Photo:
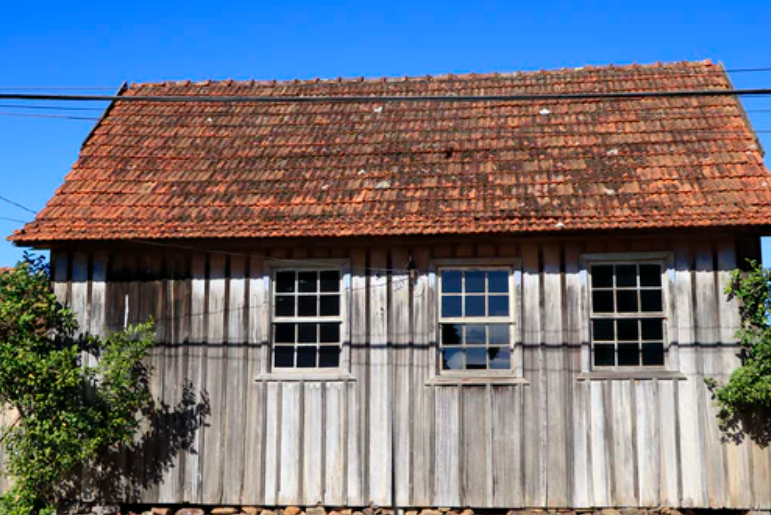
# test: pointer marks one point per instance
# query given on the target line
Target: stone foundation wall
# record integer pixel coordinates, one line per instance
(375, 510)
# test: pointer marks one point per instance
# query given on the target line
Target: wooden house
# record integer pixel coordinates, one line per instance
(499, 303)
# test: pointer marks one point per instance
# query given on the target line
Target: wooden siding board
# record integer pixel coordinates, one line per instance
(357, 390)
(535, 399)
(448, 456)
(255, 409)
(290, 466)
(313, 444)
(669, 445)
(624, 463)
(235, 381)
(399, 331)
(691, 436)
(421, 421)
(379, 399)
(475, 464)
(557, 378)
(334, 456)
(648, 460)
(600, 452)
(507, 430)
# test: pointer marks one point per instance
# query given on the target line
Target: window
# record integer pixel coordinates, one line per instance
(475, 321)
(307, 319)
(627, 315)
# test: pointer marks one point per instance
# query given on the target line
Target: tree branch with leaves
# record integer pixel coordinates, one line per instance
(69, 410)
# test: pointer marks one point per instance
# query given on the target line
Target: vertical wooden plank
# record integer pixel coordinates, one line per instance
(357, 392)
(707, 336)
(737, 459)
(290, 467)
(98, 302)
(447, 459)
(536, 429)
(255, 409)
(508, 444)
(273, 441)
(236, 426)
(79, 289)
(669, 463)
(648, 459)
(380, 412)
(599, 446)
(313, 443)
(474, 453)
(624, 462)
(422, 424)
(196, 359)
(399, 309)
(691, 442)
(334, 454)
(61, 260)
(215, 372)
(578, 397)
(556, 370)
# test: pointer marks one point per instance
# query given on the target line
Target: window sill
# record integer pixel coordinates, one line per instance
(599, 375)
(481, 380)
(305, 376)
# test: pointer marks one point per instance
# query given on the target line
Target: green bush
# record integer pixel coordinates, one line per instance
(69, 410)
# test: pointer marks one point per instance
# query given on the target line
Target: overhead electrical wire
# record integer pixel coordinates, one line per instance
(20, 206)
(341, 99)
(59, 116)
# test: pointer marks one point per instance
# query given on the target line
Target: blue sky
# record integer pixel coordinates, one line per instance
(89, 43)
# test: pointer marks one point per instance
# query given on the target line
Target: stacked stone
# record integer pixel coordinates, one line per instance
(376, 510)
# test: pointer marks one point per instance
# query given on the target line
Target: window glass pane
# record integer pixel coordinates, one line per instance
(306, 281)
(650, 301)
(650, 275)
(452, 334)
(626, 330)
(284, 305)
(452, 358)
(626, 301)
(329, 333)
(475, 282)
(329, 305)
(284, 356)
(451, 306)
(498, 333)
(498, 306)
(602, 276)
(499, 358)
(653, 353)
(329, 356)
(306, 333)
(628, 354)
(452, 281)
(602, 301)
(475, 334)
(604, 355)
(475, 306)
(284, 282)
(603, 330)
(284, 333)
(306, 306)
(476, 359)
(330, 280)
(306, 357)
(626, 275)
(498, 281)
(652, 328)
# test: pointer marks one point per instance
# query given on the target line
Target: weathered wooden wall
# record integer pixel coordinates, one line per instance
(556, 441)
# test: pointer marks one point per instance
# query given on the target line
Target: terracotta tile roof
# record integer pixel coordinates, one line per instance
(205, 170)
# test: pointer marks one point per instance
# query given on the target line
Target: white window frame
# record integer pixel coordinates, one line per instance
(437, 374)
(342, 371)
(666, 261)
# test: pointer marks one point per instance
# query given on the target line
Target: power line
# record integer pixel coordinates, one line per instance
(57, 116)
(12, 220)
(619, 95)
(25, 208)
(58, 88)
(50, 107)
